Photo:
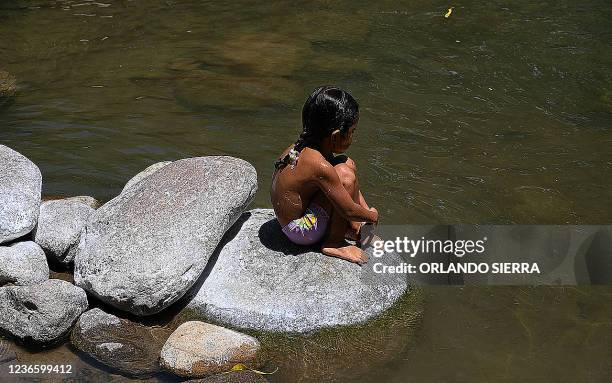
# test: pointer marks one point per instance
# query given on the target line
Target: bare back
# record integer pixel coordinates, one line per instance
(294, 188)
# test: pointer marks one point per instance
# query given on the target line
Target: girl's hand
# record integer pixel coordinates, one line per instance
(375, 213)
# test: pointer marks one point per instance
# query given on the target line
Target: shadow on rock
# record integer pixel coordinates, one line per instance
(271, 236)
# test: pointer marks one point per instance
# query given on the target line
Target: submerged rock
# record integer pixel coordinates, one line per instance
(127, 347)
(41, 313)
(198, 349)
(144, 249)
(232, 377)
(23, 263)
(8, 86)
(261, 54)
(59, 227)
(20, 188)
(144, 174)
(6, 352)
(261, 281)
(205, 89)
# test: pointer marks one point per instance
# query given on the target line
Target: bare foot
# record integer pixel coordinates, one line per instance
(345, 251)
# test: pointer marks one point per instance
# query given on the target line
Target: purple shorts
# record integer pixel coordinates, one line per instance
(309, 229)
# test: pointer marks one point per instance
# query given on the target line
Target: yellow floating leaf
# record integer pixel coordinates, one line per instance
(264, 373)
(242, 367)
(449, 12)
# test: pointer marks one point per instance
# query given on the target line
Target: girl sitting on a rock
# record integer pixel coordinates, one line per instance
(315, 193)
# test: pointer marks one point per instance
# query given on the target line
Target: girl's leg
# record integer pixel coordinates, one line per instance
(344, 170)
(335, 245)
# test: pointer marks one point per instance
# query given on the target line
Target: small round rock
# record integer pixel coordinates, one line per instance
(197, 349)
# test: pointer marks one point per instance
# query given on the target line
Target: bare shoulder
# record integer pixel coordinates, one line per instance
(316, 162)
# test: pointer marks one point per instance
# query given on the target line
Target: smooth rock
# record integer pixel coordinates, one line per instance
(197, 349)
(20, 188)
(23, 263)
(144, 249)
(125, 346)
(41, 313)
(232, 377)
(261, 281)
(59, 228)
(144, 174)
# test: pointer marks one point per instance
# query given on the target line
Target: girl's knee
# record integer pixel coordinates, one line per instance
(351, 164)
(347, 175)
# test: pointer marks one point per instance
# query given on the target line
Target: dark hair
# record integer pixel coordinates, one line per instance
(327, 109)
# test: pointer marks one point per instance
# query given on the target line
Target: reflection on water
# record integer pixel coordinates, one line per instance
(499, 114)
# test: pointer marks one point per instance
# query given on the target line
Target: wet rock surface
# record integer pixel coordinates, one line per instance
(197, 349)
(261, 281)
(23, 263)
(41, 313)
(6, 352)
(125, 346)
(59, 227)
(20, 192)
(232, 377)
(144, 249)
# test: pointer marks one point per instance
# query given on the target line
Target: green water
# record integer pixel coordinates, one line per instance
(501, 113)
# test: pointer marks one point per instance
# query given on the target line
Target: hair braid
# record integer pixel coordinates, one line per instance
(301, 143)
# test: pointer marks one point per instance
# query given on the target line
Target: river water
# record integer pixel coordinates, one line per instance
(500, 113)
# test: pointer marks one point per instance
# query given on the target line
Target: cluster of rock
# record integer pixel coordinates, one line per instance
(177, 231)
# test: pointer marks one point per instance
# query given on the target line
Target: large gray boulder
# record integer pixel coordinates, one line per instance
(59, 227)
(23, 263)
(145, 174)
(125, 346)
(20, 192)
(41, 313)
(198, 349)
(144, 249)
(261, 281)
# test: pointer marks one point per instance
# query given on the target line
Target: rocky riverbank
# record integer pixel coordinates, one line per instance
(177, 247)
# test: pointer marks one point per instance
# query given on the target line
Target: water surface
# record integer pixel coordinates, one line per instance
(501, 113)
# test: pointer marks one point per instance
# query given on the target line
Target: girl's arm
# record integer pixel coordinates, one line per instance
(329, 182)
